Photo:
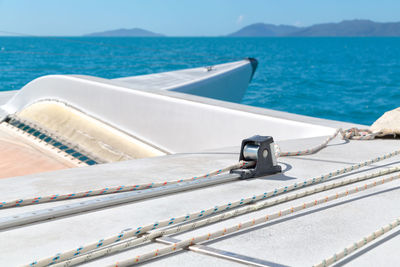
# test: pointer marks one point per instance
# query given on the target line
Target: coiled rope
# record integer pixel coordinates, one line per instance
(356, 245)
(206, 212)
(241, 226)
(128, 244)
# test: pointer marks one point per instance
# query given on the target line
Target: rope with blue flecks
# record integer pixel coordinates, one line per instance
(356, 245)
(115, 189)
(132, 242)
(248, 224)
(207, 212)
(351, 133)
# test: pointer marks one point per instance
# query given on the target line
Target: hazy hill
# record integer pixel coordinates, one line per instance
(135, 32)
(261, 29)
(344, 28)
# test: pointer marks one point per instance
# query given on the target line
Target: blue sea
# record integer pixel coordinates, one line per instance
(346, 79)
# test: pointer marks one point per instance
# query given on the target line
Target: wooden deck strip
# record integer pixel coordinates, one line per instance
(21, 157)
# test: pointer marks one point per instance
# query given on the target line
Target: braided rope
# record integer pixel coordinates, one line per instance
(235, 228)
(209, 211)
(313, 150)
(353, 133)
(128, 244)
(359, 134)
(114, 189)
(356, 245)
(140, 230)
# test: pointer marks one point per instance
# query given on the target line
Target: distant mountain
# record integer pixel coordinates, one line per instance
(345, 28)
(265, 30)
(135, 32)
(352, 28)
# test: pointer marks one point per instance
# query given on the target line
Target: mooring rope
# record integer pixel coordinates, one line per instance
(356, 245)
(206, 212)
(353, 133)
(279, 153)
(125, 188)
(115, 189)
(241, 226)
(128, 244)
(359, 134)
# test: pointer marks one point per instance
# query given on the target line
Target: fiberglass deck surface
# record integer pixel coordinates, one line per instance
(172, 79)
(301, 239)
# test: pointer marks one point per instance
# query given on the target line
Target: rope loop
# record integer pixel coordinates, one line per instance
(358, 134)
(352, 133)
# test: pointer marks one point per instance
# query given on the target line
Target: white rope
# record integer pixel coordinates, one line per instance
(235, 228)
(359, 134)
(113, 189)
(356, 245)
(128, 244)
(310, 151)
(189, 217)
(124, 188)
(203, 213)
(206, 212)
(353, 133)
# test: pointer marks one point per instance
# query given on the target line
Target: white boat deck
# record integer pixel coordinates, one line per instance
(301, 239)
(220, 81)
(173, 79)
(4, 97)
(201, 135)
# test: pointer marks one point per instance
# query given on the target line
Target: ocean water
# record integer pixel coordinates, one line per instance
(347, 79)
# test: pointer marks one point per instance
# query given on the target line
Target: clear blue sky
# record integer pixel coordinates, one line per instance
(181, 17)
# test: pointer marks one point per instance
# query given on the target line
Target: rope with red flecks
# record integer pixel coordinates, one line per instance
(356, 245)
(348, 134)
(241, 226)
(132, 242)
(115, 189)
(206, 212)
